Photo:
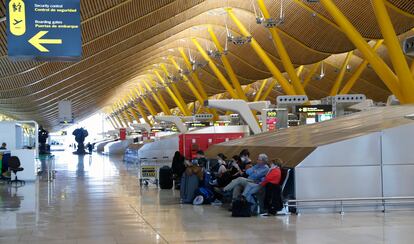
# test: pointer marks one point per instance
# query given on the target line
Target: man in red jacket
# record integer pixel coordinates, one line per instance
(273, 176)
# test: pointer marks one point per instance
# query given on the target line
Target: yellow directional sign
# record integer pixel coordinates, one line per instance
(37, 41)
(44, 30)
(17, 17)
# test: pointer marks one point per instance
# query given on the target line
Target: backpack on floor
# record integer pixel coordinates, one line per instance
(207, 194)
(241, 208)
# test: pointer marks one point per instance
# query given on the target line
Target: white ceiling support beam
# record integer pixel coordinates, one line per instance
(175, 120)
(141, 126)
(239, 106)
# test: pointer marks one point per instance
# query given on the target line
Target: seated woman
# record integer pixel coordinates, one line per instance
(245, 159)
(235, 167)
(219, 170)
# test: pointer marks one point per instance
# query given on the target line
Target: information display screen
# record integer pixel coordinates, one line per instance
(315, 113)
(198, 124)
(271, 120)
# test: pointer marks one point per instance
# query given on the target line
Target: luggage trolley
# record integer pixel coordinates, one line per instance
(148, 172)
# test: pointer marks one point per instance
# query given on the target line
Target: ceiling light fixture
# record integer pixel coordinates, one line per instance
(322, 74)
(271, 22)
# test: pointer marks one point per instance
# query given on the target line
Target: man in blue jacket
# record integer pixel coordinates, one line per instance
(255, 174)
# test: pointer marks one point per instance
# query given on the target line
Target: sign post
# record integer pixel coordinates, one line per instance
(44, 30)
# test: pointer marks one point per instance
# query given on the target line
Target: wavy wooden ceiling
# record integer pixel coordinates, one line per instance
(124, 39)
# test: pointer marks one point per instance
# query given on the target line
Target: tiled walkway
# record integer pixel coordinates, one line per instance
(96, 199)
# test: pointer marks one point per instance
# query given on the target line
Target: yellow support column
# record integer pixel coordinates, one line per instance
(157, 99)
(412, 68)
(115, 122)
(146, 102)
(134, 114)
(299, 70)
(311, 74)
(227, 65)
(112, 122)
(116, 119)
(224, 82)
(122, 115)
(125, 111)
(196, 80)
(149, 106)
(183, 108)
(281, 50)
(394, 50)
(140, 110)
(164, 103)
(263, 56)
(259, 93)
(246, 90)
(117, 115)
(161, 98)
(191, 106)
(143, 114)
(355, 76)
(127, 117)
(122, 119)
(339, 79)
(190, 85)
(268, 91)
(174, 87)
(380, 67)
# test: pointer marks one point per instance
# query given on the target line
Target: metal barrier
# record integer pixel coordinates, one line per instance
(347, 202)
(148, 169)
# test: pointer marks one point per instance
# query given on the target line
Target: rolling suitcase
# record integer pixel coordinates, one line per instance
(165, 178)
(189, 185)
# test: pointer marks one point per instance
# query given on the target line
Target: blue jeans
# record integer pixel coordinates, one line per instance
(251, 189)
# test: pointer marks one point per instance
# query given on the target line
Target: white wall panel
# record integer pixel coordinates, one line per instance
(364, 150)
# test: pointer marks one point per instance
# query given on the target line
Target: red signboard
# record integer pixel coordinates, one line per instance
(190, 143)
(122, 134)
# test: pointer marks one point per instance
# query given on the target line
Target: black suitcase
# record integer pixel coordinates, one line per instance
(165, 178)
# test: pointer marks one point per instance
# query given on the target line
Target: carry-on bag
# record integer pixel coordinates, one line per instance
(189, 185)
(165, 178)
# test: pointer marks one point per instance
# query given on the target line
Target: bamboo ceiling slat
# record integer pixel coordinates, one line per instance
(123, 39)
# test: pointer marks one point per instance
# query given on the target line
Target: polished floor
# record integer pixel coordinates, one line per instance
(96, 199)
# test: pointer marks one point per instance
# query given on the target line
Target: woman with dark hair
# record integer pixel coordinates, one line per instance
(245, 158)
(236, 167)
(178, 167)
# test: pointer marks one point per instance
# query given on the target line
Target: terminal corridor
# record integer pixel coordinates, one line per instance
(97, 199)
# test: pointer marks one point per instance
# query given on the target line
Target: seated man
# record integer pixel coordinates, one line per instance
(3, 146)
(255, 174)
(273, 177)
